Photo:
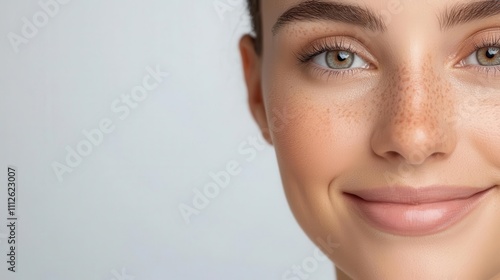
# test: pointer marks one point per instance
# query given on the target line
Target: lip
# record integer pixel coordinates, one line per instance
(403, 210)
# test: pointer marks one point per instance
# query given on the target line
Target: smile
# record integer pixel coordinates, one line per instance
(416, 211)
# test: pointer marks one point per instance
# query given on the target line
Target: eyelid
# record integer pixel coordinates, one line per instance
(470, 45)
(351, 43)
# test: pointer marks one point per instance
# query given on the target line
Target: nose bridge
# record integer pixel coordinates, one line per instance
(417, 112)
(415, 97)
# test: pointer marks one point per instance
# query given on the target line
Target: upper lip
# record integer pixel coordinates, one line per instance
(412, 195)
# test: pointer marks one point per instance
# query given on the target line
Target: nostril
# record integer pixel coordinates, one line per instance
(393, 154)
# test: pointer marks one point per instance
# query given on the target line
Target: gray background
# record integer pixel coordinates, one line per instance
(116, 215)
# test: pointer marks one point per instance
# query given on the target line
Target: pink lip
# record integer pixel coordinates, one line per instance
(415, 211)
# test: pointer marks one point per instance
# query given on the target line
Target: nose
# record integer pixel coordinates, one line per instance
(415, 121)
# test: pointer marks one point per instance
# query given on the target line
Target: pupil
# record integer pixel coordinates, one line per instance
(491, 52)
(342, 56)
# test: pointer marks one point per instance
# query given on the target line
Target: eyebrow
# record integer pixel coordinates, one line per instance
(312, 10)
(463, 13)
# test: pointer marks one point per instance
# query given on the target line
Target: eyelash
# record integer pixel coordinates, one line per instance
(492, 41)
(325, 45)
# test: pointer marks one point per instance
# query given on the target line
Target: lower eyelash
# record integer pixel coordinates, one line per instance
(333, 73)
(490, 71)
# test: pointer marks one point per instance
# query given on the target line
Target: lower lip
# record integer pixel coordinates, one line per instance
(422, 219)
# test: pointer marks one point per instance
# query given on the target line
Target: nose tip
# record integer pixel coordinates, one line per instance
(413, 144)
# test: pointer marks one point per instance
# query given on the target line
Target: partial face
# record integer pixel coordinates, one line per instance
(385, 117)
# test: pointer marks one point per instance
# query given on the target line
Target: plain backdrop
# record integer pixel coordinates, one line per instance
(114, 214)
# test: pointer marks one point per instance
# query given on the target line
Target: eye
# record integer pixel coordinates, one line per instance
(486, 56)
(339, 59)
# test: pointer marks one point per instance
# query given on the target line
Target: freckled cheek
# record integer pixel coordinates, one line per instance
(308, 145)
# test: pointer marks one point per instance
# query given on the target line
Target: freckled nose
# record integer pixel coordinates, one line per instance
(415, 118)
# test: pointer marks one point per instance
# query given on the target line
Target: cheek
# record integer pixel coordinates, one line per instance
(483, 120)
(316, 137)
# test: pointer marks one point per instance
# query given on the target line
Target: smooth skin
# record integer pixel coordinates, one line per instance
(416, 109)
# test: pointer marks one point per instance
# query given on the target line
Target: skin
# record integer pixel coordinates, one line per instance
(415, 118)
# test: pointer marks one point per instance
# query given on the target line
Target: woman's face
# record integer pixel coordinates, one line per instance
(385, 117)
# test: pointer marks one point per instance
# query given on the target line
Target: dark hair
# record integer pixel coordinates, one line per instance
(254, 9)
